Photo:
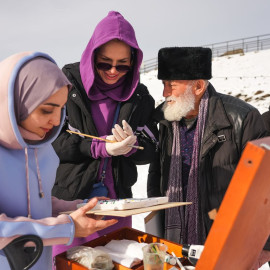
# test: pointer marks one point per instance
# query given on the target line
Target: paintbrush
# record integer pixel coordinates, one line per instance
(178, 262)
(102, 139)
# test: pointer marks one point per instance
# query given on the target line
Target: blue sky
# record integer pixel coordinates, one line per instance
(62, 28)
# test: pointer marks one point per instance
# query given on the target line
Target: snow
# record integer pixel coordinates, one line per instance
(246, 76)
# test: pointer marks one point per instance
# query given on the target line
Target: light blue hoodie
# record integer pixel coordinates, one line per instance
(16, 158)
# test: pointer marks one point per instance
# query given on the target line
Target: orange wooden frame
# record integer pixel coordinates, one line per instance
(242, 224)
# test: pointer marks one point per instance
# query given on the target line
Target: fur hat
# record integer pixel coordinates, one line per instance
(184, 63)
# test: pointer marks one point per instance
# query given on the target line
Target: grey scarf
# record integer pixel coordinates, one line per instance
(185, 224)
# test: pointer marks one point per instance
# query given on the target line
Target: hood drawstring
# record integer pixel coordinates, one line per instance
(41, 193)
(27, 182)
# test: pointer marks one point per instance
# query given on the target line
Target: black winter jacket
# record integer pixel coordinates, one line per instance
(266, 119)
(78, 169)
(230, 124)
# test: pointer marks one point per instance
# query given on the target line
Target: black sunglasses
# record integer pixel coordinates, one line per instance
(106, 67)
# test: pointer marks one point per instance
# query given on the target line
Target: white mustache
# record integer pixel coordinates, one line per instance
(170, 98)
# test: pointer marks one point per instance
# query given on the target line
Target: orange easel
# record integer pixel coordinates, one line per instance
(242, 224)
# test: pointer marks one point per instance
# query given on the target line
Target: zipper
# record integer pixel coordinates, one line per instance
(115, 174)
(134, 107)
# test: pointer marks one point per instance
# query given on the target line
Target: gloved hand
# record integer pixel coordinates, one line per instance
(119, 148)
(122, 133)
(124, 137)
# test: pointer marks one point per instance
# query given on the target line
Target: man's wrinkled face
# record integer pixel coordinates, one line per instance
(179, 99)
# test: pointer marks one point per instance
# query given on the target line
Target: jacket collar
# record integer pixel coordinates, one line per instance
(217, 118)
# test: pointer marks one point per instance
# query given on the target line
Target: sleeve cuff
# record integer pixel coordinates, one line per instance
(72, 231)
(98, 149)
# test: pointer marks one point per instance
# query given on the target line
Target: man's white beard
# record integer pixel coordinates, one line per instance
(181, 107)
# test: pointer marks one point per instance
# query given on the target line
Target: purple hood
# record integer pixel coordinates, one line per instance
(113, 26)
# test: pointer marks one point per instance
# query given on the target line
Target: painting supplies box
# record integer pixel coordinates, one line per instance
(62, 263)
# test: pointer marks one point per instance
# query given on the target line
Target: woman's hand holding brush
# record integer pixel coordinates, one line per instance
(124, 138)
(120, 143)
(119, 148)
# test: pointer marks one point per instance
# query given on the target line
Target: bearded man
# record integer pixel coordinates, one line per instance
(202, 134)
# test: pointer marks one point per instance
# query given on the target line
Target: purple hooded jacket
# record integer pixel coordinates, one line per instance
(104, 102)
